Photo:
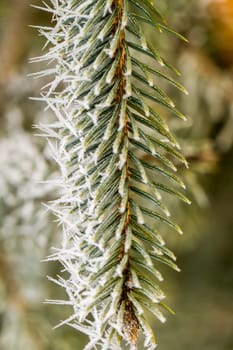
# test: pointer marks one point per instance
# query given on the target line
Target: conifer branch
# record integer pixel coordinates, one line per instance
(100, 93)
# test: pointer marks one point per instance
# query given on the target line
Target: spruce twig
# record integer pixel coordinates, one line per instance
(105, 127)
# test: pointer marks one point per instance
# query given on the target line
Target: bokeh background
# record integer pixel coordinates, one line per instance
(202, 294)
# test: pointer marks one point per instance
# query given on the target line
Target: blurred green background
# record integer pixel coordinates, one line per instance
(202, 294)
